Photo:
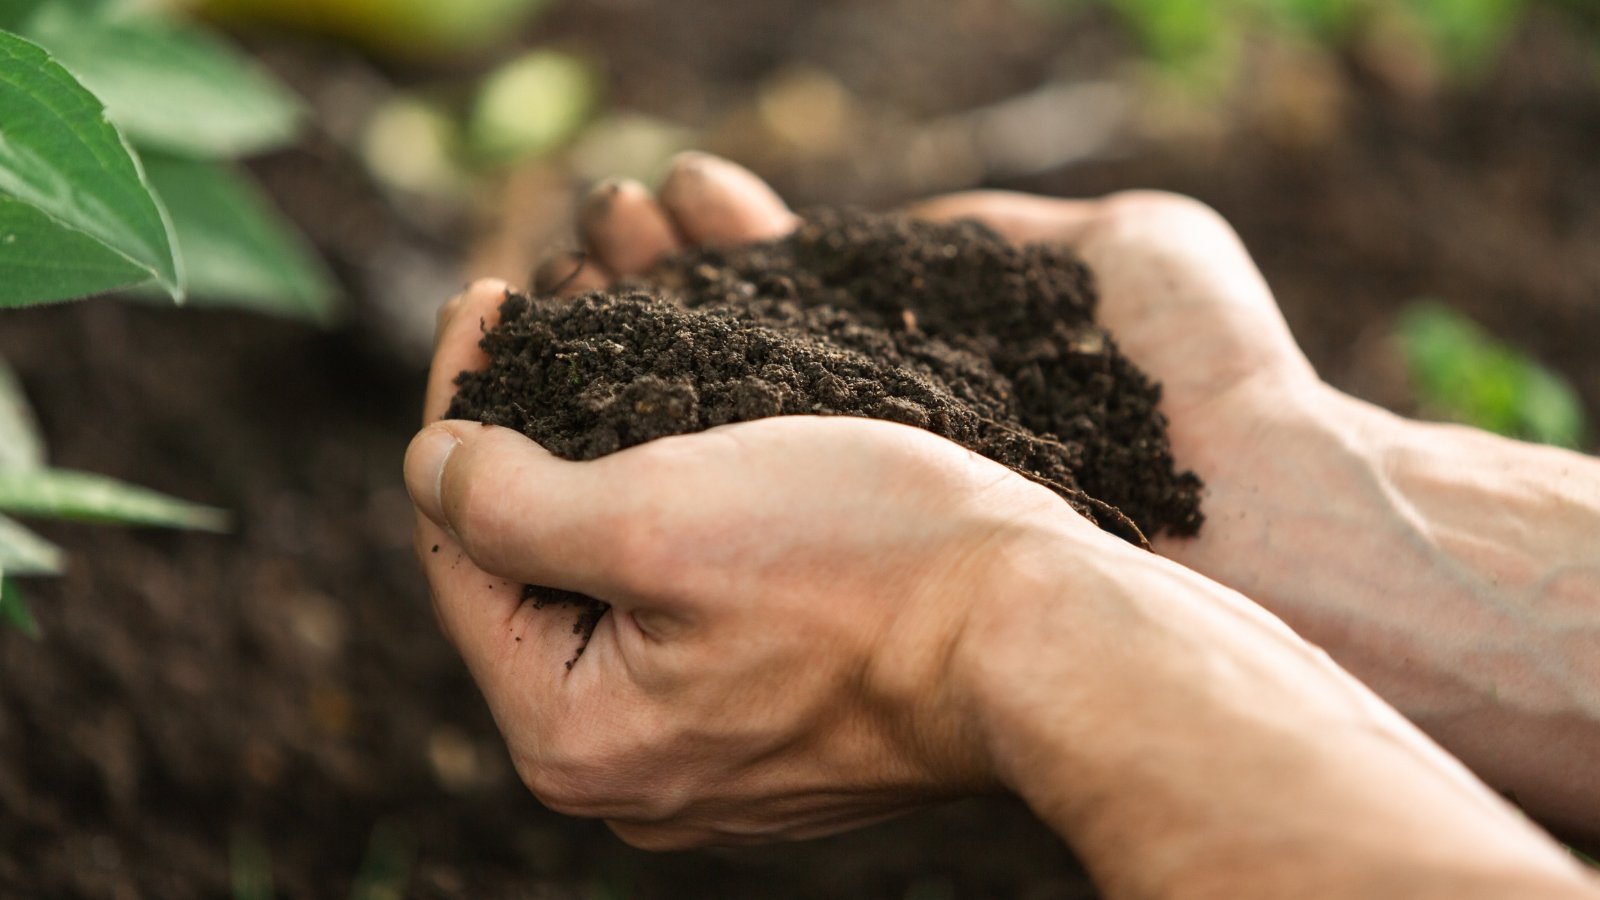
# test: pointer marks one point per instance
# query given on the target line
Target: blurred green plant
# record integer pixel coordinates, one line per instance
(386, 865)
(30, 487)
(531, 105)
(441, 141)
(1200, 44)
(384, 873)
(409, 29)
(13, 611)
(249, 866)
(1463, 374)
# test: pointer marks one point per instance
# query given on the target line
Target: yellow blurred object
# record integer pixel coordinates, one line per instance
(414, 146)
(408, 28)
(532, 105)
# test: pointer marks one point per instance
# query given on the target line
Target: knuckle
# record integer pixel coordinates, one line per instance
(488, 288)
(472, 502)
(559, 790)
(656, 838)
(448, 311)
(1143, 205)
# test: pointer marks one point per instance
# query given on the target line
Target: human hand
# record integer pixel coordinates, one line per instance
(1183, 299)
(1450, 570)
(788, 595)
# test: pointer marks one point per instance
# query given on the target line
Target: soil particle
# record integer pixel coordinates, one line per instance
(945, 327)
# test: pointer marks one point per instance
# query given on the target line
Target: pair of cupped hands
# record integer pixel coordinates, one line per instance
(801, 606)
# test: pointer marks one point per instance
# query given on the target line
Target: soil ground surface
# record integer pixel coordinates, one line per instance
(287, 686)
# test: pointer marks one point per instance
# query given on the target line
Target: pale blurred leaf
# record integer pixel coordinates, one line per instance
(241, 251)
(83, 496)
(169, 85)
(20, 443)
(24, 553)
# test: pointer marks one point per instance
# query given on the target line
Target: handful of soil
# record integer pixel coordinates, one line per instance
(946, 327)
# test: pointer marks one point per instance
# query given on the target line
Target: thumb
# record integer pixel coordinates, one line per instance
(518, 511)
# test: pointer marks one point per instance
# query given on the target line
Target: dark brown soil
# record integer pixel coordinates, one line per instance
(942, 327)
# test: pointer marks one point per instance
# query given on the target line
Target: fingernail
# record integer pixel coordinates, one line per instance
(449, 309)
(686, 166)
(425, 462)
(557, 270)
(600, 200)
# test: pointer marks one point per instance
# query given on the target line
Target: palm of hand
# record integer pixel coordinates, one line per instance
(1183, 299)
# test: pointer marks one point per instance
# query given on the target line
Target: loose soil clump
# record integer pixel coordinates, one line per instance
(946, 327)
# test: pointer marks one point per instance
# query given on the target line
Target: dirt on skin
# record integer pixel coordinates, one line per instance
(946, 327)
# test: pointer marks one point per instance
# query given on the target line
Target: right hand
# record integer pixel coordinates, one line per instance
(1183, 299)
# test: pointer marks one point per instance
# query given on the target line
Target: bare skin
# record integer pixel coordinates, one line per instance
(821, 622)
(1454, 572)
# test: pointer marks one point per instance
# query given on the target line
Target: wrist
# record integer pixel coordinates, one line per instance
(1175, 735)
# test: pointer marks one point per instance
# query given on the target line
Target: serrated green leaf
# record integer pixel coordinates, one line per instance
(241, 250)
(20, 443)
(24, 553)
(171, 86)
(60, 155)
(44, 261)
(86, 497)
(14, 610)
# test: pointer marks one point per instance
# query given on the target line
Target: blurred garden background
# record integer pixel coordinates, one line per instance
(270, 711)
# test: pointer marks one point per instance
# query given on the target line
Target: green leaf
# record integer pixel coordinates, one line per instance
(14, 611)
(171, 86)
(82, 496)
(241, 250)
(59, 155)
(20, 443)
(24, 553)
(1463, 374)
(44, 261)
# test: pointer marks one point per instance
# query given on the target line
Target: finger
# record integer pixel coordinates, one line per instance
(1019, 218)
(462, 322)
(567, 274)
(626, 228)
(716, 202)
(516, 510)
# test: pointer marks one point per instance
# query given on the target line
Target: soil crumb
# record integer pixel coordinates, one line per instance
(946, 327)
